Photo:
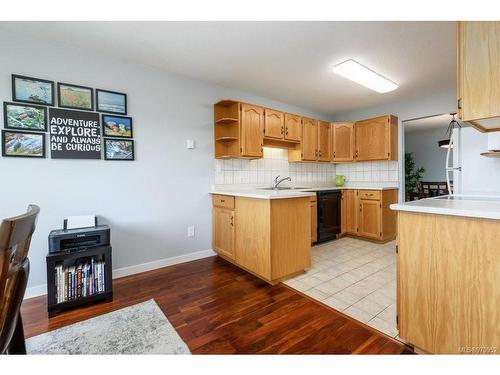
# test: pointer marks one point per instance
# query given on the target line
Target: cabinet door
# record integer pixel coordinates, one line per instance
(293, 127)
(478, 70)
(342, 141)
(309, 139)
(369, 218)
(324, 141)
(372, 139)
(223, 231)
(274, 124)
(252, 130)
(349, 212)
(314, 221)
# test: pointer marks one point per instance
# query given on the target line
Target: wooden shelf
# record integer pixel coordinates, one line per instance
(226, 139)
(491, 154)
(226, 120)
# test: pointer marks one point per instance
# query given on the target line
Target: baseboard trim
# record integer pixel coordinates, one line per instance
(40, 290)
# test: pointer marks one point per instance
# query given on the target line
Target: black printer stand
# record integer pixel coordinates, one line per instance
(62, 299)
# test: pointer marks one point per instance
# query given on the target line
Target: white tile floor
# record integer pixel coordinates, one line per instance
(356, 277)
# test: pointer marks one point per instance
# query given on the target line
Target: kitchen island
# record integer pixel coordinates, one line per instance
(448, 270)
(264, 232)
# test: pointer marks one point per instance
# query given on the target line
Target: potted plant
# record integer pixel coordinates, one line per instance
(412, 175)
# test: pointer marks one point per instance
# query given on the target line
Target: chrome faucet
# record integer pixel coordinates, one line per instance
(278, 181)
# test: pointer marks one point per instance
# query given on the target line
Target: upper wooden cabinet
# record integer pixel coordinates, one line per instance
(478, 74)
(342, 141)
(274, 124)
(293, 127)
(324, 141)
(377, 138)
(315, 144)
(252, 130)
(309, 139)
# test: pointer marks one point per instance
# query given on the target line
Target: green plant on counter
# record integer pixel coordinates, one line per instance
(412, 174)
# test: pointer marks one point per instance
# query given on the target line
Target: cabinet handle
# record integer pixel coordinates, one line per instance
(286, 130)
(222, 200)
(232, 221)
(459, 103)
(282, 130)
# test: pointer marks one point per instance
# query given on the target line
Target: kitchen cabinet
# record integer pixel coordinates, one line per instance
(370, 214)
(274, 124)
(342, 141)
(309, 139)
(293, 127)
(324, 141)
(349, 219)
(448, 283)
(271, 237)
(478, 74)
(252, 130)
(377, 138)
(223, 225)
(315, 144)
(366, 214)
(314, 219)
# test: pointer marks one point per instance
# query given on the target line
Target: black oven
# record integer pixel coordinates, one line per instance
(329, 206)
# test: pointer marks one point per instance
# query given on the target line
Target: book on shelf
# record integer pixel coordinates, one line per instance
(83, 279)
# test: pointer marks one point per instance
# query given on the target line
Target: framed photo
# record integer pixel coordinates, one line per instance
(32, 90)
(116, 126)
(111, 102)
(23, 144)
(24, 116)
(75, 97)
(118, 149)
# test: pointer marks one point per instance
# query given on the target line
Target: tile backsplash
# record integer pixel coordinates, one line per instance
(370, 171)
(275, 162)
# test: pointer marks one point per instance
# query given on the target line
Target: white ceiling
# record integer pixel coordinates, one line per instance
(432, 122)
(287, 61)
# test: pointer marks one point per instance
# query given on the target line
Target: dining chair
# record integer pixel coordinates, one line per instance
(15, 239)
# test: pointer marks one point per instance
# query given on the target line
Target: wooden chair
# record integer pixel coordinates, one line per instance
(15, 239)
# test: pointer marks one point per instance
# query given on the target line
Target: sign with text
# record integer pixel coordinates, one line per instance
(74, 134)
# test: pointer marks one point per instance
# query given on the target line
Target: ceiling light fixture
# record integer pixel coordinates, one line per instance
(358, 73)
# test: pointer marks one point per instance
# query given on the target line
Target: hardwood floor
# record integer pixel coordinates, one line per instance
(217, 308)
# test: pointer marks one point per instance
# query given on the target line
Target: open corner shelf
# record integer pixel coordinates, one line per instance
(491, 154)
(226, 139)
(226, 120)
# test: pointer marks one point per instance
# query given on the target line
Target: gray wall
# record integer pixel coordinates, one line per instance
(438, 103)
(426, 153)
(148, 202)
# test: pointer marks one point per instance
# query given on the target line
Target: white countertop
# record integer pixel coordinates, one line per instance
(260, 193)
(485, 207)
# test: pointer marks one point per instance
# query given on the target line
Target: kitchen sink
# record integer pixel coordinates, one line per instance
(284, 188)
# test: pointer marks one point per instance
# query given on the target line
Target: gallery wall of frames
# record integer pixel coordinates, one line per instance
(85, 123)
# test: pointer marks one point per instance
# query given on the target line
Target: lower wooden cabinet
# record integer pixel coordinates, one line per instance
(366, 214)
(314, 219)
(270, 238)
(223, 226)
(349, 217)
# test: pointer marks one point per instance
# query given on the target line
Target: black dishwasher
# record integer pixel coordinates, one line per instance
(329, 205)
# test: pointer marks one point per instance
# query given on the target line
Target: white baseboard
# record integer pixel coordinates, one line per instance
(138, 268)
(40, 290)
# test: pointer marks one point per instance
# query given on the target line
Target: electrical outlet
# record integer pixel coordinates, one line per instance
(190, 144)
(190, 231)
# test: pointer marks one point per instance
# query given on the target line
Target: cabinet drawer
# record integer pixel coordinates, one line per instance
(226, 201)
(370, 194)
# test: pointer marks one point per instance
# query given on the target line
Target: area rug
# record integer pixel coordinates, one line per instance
(137, 329)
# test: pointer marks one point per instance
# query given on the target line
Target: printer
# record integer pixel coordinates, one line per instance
(68, 240)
